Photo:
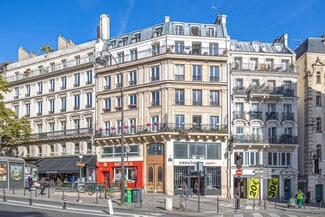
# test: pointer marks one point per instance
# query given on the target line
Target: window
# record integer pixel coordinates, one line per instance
(89, 123)
(179, 121)
(27, 87)
(132, 124)
(64, 64)
(214, 73)
(76, 123)
(107, 105)
(107, 82)
(179, 96)
(64, 149)
(269, 64)
(318, 99)
(179, 30)
(179, 47)
(52, 85)
(136, 37)
(272, 134)
(77, 148)
(318, 78)
(76, 80)
(16, 108)
(155, 123)
(89, 77)
(89, 100)
(287, 85)
(40, 88)
(155, 48)
(198, 150)
(133, 101)
(285, 65)
(214, 122)
(39, 108)
(249, 157)
(155, 98)
(196, 48)
(76, 102)
(51, 106)
(197, 97)
(120, 57)
(213, 49)
(210, 32)
(195, 31)
(51, 127)
(179, 72)
(77, 59)
(90, 57)
(132, 78)
(279, 158)
(134, 54)
(214, 98)
(16, 93)
(63, 104)
(63, 83)
(155, 73)
(118, 103)
(271, 84)
(27, 110)
(253, 64)
(238, 63)
(89, 147)
(197, 73)
(255, 82)
(239, 82)
(318, 125)
(52, 65)
(63, 125)
(119, 80)
(39, 128)
(239, 133)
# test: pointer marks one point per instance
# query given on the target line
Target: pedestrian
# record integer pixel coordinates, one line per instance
(195, 188)
(300, 198)
(184, 189)
(43, 185)
(30, 183)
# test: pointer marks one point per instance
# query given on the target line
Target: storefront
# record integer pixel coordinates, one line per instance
(109, 173)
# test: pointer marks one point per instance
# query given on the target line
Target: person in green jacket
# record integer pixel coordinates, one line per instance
(300, 198)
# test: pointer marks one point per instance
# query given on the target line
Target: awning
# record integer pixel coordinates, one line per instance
(64, 164)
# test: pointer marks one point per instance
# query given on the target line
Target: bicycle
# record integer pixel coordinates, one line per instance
(106, 193)
(90, 188)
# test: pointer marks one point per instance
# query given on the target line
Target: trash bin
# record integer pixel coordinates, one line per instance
(137, 193)
(128, 195)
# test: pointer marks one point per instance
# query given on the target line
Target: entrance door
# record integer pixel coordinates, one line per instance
(319, 193)
(155, 168)
(287, 189)
(243, 186)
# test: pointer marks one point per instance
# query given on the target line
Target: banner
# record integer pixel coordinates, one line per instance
(273, 188)
(254, 188)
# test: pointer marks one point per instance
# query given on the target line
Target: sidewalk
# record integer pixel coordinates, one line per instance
(152, 202)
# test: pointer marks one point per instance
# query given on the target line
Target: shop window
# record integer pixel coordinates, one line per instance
(150, 174)
(160, 174)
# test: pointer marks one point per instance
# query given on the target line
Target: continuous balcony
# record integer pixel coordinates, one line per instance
(253, 115)
(256, 91)
(263, 67)
(288, 116)
(283, 139)
(62, 134)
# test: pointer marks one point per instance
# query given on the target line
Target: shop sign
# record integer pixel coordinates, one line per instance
(127, 163)
(80, 164)
(273, 188)
(254, 188)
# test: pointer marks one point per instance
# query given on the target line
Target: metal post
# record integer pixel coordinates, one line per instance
(63, 194)
(275, 203)
(78, 200)
(13, 189)
(199, 187)
(48, 192)
(96, 197)
(24, 191)
(30, 198)
(264, 204)
(320, 204)
(217, 204)
(254, 204)
(141, 200)
(64, 203)
(35, 192)
(235, 199)
(238, 193)
(4, 195)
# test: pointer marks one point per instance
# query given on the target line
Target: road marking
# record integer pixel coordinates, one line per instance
(256, 214)
(292, 216)
(274, 215)
(238, 215)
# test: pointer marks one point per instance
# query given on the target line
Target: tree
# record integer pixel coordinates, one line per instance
(12, 131)
(46, 49)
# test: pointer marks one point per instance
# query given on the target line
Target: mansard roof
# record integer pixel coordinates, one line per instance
(259, 47)
(313, 45)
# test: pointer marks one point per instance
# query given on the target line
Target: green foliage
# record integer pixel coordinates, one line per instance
(15, 130)
(46, 49)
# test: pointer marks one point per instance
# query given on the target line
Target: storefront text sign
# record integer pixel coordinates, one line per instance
(128, 163)
(273, 188)
(254, 188)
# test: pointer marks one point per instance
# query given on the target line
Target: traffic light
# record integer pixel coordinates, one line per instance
(239, 162)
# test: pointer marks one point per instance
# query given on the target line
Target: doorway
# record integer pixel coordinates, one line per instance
(287, 189)
(242, 186)
(319, 193)
(155, 167)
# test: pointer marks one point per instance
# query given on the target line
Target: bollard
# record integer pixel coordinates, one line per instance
(64, 203)
(13, 189)
(235, 200)
(4, 195)
(48, 192)
(217, 204)
(141, 201)
(264, 204)
(96, 197)
(275, 204)
(24, 191)
(30, 198)
(35, 192)
(320, 204)
(63, 194)
(253, 204)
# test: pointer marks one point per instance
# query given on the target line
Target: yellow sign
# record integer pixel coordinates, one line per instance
(80, 164)
(254, 188)
(273, 188)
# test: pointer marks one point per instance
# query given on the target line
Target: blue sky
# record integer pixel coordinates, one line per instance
(33, 23)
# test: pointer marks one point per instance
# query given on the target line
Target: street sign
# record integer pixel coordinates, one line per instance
(239, 172)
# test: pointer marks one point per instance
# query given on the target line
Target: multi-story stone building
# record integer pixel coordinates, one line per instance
(55, 92)
(311, 93)
(174, 105)
(263, 97)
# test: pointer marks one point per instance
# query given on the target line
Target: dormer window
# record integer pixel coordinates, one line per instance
(123, 41)
(278, 47)
(179, 30)
(256, 47)
(157, 32)
(210, 32)
(136, 37)
(195, 31)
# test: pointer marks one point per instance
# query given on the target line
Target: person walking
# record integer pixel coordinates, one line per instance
(300, 198)
(184, 188)
(30, 183)
(43, 185)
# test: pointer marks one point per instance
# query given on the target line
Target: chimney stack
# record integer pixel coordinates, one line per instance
(285, 39)
(103, 28)
(167, 19)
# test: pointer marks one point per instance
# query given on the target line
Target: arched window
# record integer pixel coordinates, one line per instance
(150, 174)
(160, 174)
(318, 125)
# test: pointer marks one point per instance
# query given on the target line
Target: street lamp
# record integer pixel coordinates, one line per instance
(101, 61)
(80, 167)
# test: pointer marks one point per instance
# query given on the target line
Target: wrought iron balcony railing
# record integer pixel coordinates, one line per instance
(62, 133)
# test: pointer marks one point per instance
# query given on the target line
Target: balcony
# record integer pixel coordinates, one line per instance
(288, 116)
(162, 127)
(51, 112)
(51, 90)
(132, 83)
(88, 106)
(63, 110)
(179, 102)
(105, 110)
(76, 108)
(179, 77)
(89, 82)
(27, 95)
(197, 103)
(132, 106)
(271, 116)
(283, 139)
(39, 113)
(263, 67)
(39, 92)
(76, 85)
(248, 139)
(253, 115)
(107, 87)
(62, 133)
(16, 97)
(238, 115)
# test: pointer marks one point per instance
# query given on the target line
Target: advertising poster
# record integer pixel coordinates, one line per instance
(16, 172)
(3, 172)
(273, 188)
(254, 188)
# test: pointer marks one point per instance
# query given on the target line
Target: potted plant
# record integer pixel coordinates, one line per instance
(148, 124)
